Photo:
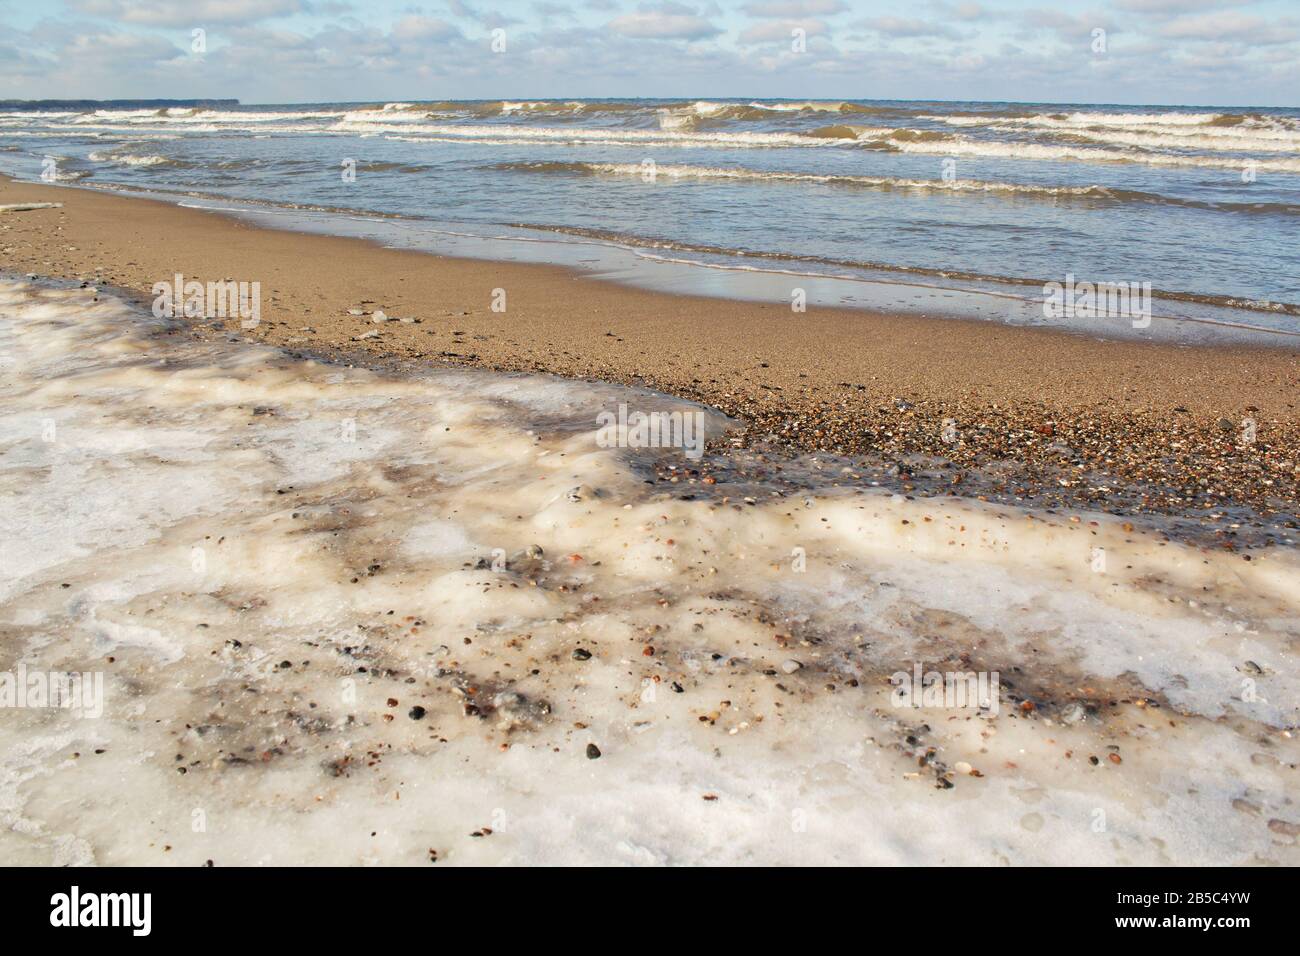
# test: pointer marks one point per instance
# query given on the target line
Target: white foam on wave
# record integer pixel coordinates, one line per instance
(508, 133)
(739, 173)
(1219, 142)
(1164, 129)
(128, 159)
(271, 549)
(189, 117)
(1082, 119)
(1042, 152)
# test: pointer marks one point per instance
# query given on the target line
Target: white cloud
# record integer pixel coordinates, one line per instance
(933, 48)
(794, 8)
(969, 11)
(420, 28)
(1225, 25)
(1168, 7)
(186, 13)
(1071, 29)
(905, 27)
(781, 31)
(112, 48)
(670, 21)
(488, 18)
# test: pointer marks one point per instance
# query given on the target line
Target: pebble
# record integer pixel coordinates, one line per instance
(790, 666)
(593, 751)
(1073, 714)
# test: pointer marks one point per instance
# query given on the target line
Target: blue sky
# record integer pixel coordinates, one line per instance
(1201, 52)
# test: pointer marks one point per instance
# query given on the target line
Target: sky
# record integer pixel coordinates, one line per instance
(1188, 52)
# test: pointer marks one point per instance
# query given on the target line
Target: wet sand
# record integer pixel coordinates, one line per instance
(1030, 412)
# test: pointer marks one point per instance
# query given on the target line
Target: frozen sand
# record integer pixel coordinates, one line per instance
(269, 550)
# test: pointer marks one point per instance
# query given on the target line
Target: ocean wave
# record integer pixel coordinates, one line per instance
(832, 106)
(189, 117)
(837, 131)
(505, 133)
(1081, 119)
(1090, 193)
(683, 171)
(1187, 138)
(1040, 152)
(1237, 126)
(394, 117)
(130, 159)
(635, 242)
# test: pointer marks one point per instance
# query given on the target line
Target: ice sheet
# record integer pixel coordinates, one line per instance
(272, 561)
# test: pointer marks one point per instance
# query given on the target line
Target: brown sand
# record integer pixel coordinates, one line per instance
(836, 380)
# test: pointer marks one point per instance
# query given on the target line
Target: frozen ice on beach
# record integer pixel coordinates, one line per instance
(346, 616)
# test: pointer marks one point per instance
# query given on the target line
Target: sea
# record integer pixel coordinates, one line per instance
(965, 209)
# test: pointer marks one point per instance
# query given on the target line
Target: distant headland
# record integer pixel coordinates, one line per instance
(110, 104)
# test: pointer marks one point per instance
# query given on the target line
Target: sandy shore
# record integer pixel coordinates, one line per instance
(329, 615)
(1033, 412)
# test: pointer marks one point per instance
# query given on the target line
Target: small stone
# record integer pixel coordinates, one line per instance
(593, 752)
(1072, 714)
(1284, 827)
(790, 666)
(962, 766)
(581, 654)
(534, 551)
(416, 713)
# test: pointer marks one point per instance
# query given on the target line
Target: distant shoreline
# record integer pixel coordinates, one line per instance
(111, 104)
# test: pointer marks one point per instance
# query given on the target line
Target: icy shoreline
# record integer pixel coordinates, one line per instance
(353, 617)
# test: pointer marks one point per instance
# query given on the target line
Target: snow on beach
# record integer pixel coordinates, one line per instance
(346, 616)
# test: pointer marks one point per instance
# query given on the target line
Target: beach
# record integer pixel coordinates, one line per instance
(1066, 417)
(317, 613)
(360, 591)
